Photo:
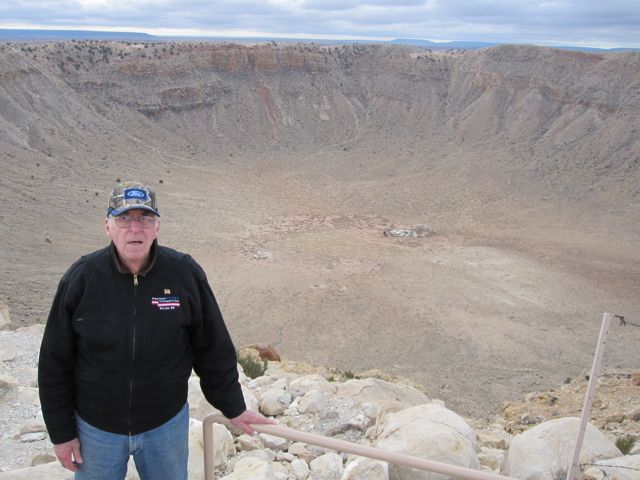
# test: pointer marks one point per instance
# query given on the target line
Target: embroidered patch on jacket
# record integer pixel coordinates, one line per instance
(166, 303)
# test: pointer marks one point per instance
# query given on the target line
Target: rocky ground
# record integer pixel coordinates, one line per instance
(616, 409)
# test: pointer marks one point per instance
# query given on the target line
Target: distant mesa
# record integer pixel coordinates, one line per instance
(29, 35)
(26, 35)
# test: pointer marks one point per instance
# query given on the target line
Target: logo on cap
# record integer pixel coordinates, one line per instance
(135, 193)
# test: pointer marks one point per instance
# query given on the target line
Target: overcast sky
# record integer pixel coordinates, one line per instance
(602, 23)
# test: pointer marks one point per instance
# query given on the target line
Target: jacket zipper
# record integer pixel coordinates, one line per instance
(133, 348)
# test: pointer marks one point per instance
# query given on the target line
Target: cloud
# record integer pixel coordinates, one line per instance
(340, 5)
(608, 23)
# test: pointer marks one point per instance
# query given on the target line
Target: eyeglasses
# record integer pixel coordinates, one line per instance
(125, 221)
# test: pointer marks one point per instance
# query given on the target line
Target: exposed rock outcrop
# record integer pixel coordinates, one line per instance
(394, 416)
(545, 451)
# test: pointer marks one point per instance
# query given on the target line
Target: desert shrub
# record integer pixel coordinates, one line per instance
(626, 443)
(252, 368)
(341, 375)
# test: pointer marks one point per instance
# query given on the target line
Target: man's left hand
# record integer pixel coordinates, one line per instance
(247, 417)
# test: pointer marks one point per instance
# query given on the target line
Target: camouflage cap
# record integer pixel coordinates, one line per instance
(129, 195)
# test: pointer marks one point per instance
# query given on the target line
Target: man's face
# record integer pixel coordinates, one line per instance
(133, 242)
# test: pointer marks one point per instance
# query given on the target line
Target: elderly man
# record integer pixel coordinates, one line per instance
(127, 325)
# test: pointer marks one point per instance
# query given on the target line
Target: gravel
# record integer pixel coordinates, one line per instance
(23, 436)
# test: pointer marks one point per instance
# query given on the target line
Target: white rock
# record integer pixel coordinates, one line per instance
(281, 472)
(252, 468)
(33, 426)
(300, 469)
(265, 381)
(200, 408)
(42, 458)
(493, 439)
(329, 465)
(593, 473)
(32, 437)
(242, 377)
(292, 410)
(34, 331)
(427, 431)
(285, 457)
(247, 442)
(621, 468)
(280, 383)
(263, 454)
(5, 320)
(301, 451)
(302, 385)
(223, 446)
(313, 401)
(273, 442)
(545, 451)
(362, 468)
(28, 395)
(274, 369)
(491, 458)
(275, 402)
(27, 377)
(377, 396)
(7, 385)
(8, 352)
(48, 471)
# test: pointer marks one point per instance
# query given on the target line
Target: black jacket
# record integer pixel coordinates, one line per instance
(119, 348)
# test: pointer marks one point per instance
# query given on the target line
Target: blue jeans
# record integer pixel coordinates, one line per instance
(159, 454)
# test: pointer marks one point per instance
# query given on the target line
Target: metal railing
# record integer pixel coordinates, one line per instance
(408, 460)
(347, 447)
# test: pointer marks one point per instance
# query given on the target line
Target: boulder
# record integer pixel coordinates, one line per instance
(301, 385)
(302, 451)
(428, 431)
(300, 469)
(274, 443)
(621, 468)
(363, 468)
(252, 468)
(329, 465)
(275, 401)
(378, 396)
(545, 451)
(246, 442)
(313, 401)
(223, 447)
(200, 408)
(260, 351)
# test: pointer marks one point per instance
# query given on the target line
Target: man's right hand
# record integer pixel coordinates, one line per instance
(68, 454)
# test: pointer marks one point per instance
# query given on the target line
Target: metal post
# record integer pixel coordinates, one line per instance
(208, 447)
(588, 399)
(348, 447)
